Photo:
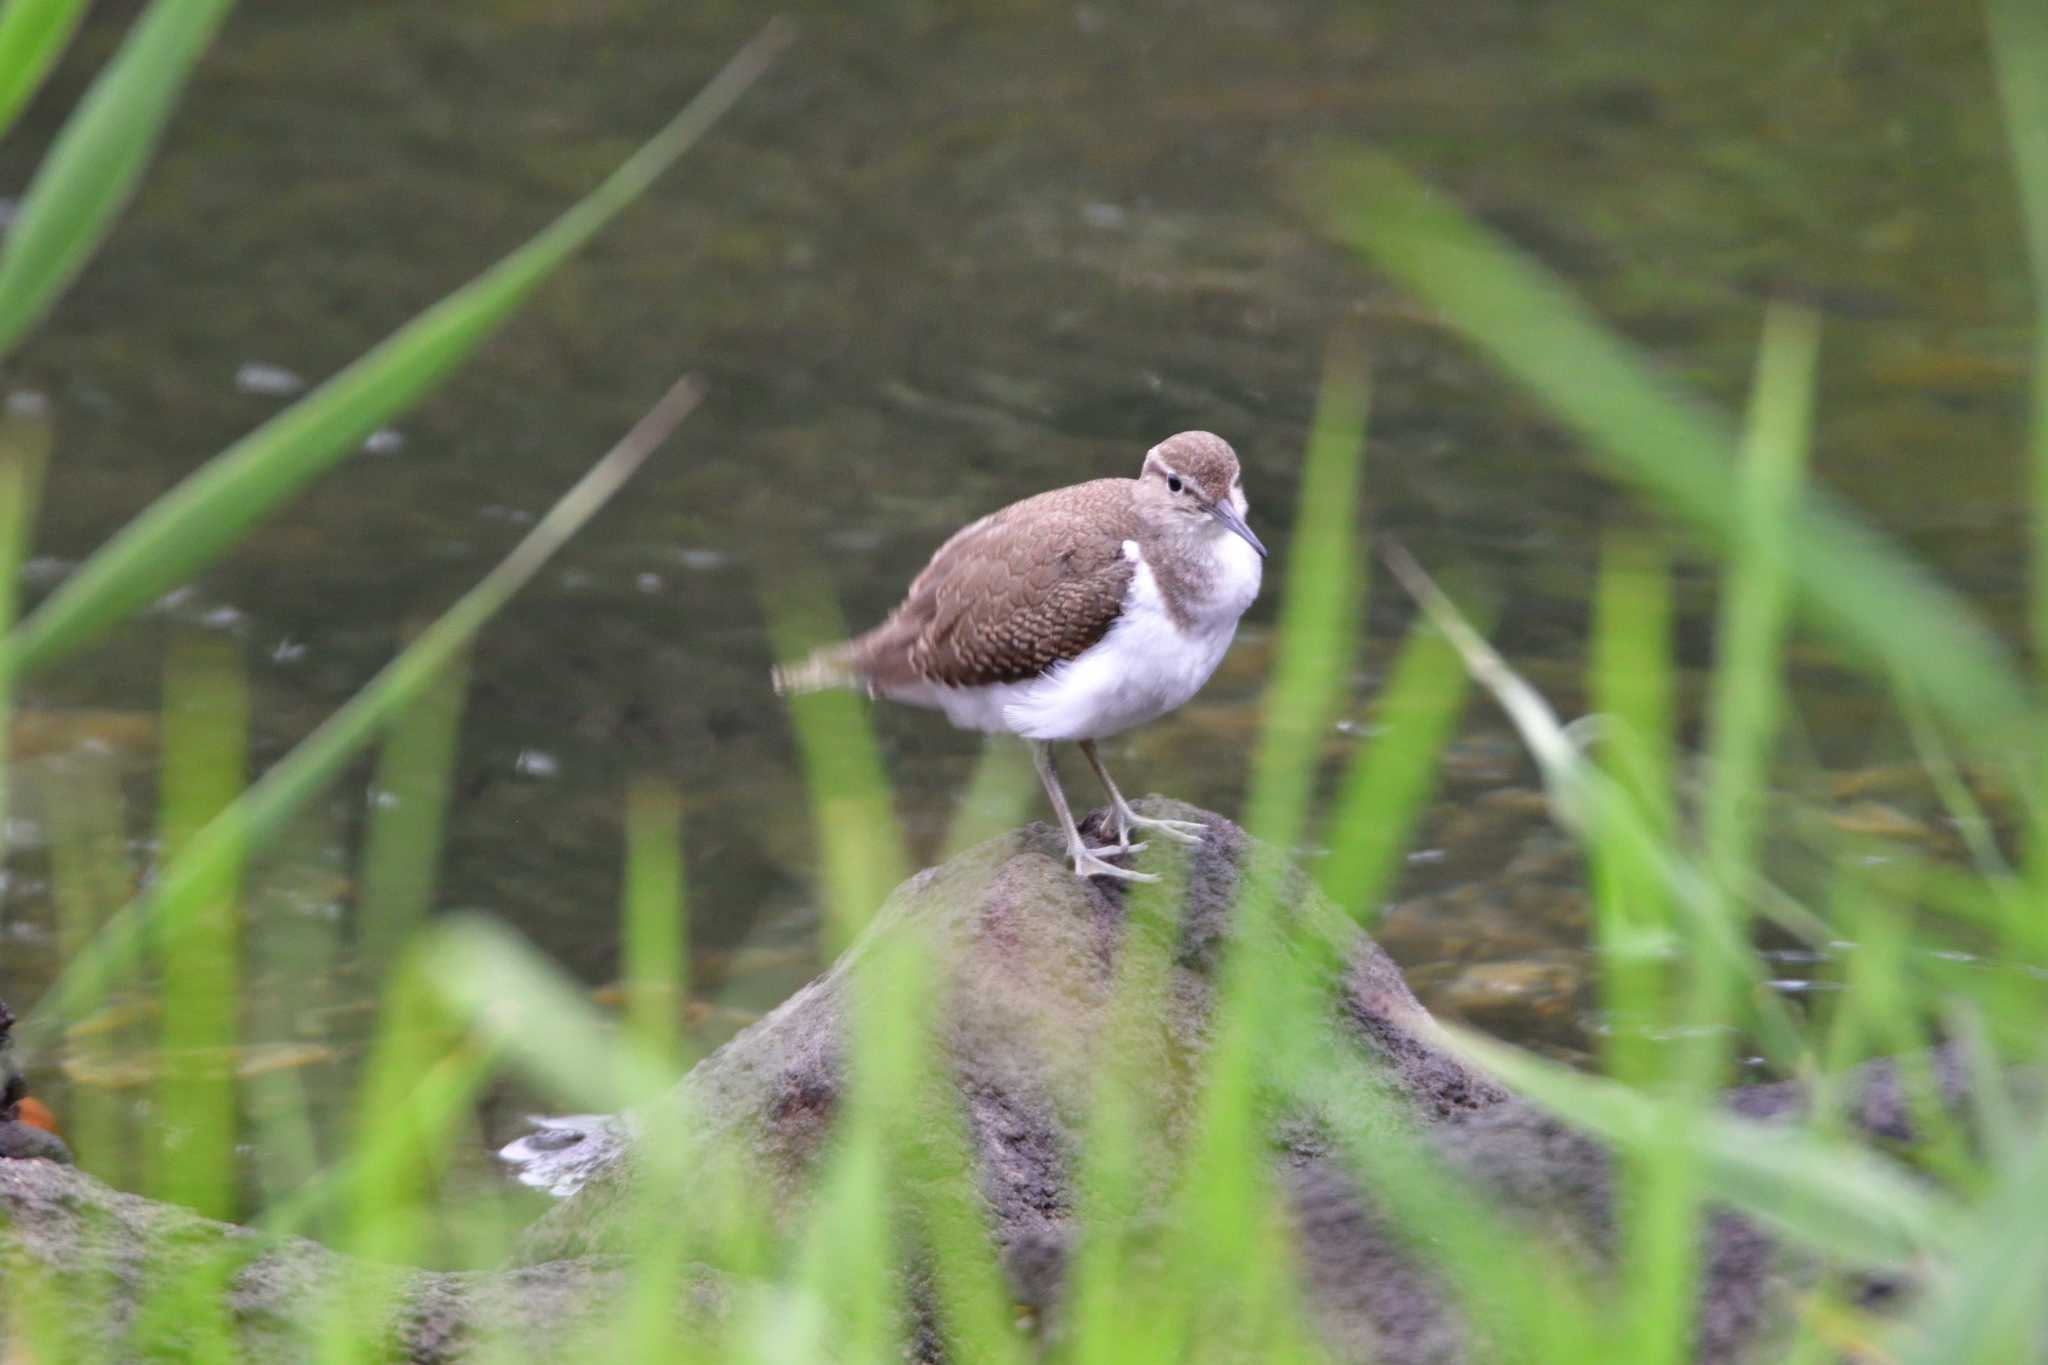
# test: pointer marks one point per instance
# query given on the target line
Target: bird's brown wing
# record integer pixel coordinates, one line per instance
(1009, 597)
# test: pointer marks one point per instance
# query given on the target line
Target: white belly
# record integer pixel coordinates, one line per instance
(1143, 668)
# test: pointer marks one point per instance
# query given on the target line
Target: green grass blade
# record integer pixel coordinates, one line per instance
(1633, 690)
(1319, 610)
(516, 1006)
(1098, 1308)
(205, 749)
(203, 516)
(1838, 1198)
(890, 1188)
(861, 850)
(1746, 691)
(1225, 1198)
(33, 34)
(408, 811)
(2019, 53)
(284, 1132)
(420, 1076)
(24, 451)
(1745, 695)
(99, 156)
(91, 875)
(851, 1246)
(1384, 794)
(1991, 1291)
(998, 797)
(315, 762)
(656, 921)
(1873, 597)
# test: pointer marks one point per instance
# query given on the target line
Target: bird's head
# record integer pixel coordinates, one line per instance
(1191, 483)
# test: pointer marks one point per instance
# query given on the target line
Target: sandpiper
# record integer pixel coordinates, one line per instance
(1073, 615)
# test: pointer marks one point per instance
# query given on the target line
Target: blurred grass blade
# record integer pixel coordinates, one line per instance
(1634, 690)
(1232, 1274)
(1876, 599)
(849, 1254)
(33, 34)
(284, 1132)
(418, 1086)
(884, 1179)
(1558, 759)
(193, 1158)
(93, 166)
(205, 753)
(997, 798)
(656, 919)
(2019, 53)
(1744, 700)
(187, 527)
(517, 1006)
(1388, 786)
(1746, 690)
(860, 843)
(1527, 1296)
(418, 1082)
(1124, 1114)
(319, 758)
(408, 812)
(1840, 1199)
(1321, 602)
(1991, 1290)
(90, 876)
(1967, 815)
(24, 452)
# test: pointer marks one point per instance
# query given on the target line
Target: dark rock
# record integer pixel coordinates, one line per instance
(1879, 1103)
(101, 1246)
(23, 1141)
(1030, 954)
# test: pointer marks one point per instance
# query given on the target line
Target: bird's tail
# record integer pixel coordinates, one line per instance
(826, 668)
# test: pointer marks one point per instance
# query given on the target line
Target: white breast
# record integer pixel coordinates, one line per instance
(1144, 667)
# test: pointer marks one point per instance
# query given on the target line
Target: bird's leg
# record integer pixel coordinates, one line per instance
(1088, 862)
(1186, 831)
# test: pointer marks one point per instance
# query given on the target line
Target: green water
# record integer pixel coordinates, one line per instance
(948, 255)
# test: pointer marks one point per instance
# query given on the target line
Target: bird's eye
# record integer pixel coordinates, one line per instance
(1173, 483)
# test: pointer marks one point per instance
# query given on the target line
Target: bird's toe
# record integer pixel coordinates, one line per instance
(1087, 864)
(1180, 831)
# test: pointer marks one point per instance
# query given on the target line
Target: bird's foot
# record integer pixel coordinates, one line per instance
(1180, 831)
(1123, 845)
(1088, 862)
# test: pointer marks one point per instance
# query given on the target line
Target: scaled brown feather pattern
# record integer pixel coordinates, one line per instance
(996, 605)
